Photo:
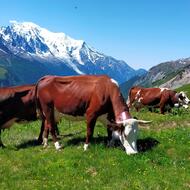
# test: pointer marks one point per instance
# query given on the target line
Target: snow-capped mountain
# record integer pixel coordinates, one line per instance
(29, 45)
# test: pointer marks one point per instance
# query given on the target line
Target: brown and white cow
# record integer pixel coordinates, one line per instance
(156, 97)
(90, 96)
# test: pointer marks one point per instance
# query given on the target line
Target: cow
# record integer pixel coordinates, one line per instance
(17, 104)
(156, 97)
(90, 96)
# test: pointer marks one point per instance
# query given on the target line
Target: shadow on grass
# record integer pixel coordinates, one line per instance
(146, 144)
(34, 142)
(95, 140)
(29, 143)
(143, 145)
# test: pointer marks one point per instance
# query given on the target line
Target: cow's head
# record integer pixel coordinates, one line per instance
(128, 134)
(183, 99)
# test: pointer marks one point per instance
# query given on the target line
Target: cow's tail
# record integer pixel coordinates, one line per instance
(37, 101)
(39, 111)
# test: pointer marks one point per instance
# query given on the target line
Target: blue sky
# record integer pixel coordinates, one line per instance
(143, 33)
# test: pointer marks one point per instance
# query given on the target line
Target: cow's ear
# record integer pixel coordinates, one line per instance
(180, 95)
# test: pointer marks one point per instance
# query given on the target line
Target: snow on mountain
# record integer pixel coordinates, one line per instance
(41, 42)
(29, 41)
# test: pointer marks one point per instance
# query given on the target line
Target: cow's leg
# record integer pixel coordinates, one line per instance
(163, 102)
(54, 137)
(162, 108)
(48, 128)
(50, 125)
(150, 109)
(45, 134)
(137, 106)
(40, 138)
(91, 120)
(57, 129)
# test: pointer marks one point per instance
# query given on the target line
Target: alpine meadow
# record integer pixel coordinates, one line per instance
(95, 95)
(162, 162)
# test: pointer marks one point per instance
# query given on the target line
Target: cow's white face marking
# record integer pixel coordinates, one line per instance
(185, 98)
(128, 137)
(140, 99)
(137, 95)
(115, 82)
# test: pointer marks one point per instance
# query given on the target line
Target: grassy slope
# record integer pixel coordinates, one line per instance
(163, 163)
(164, 166)
(185, 88)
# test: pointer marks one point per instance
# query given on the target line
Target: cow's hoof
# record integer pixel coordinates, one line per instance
(131, 152)
(45, 142)
(45, 145)
(86, 147)
(57, 145)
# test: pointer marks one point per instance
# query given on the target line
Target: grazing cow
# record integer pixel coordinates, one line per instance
(156, 97)
(16, 104)
(90, 96)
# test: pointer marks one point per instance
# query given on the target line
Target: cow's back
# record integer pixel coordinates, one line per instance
(150, 96)
(72, 95)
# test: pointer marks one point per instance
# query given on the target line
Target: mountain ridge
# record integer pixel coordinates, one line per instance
(161, 73)
(170, 74)
(56, 53)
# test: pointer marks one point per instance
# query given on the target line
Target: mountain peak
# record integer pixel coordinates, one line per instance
(26, 25)
(30, 38)
(25, 28)
(59, 51)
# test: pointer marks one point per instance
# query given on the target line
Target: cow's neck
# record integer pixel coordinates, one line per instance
(121, 110)
(176, 98)
(122, 116)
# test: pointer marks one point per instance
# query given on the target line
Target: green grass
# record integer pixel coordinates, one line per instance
(163, 163)
(185, 88)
